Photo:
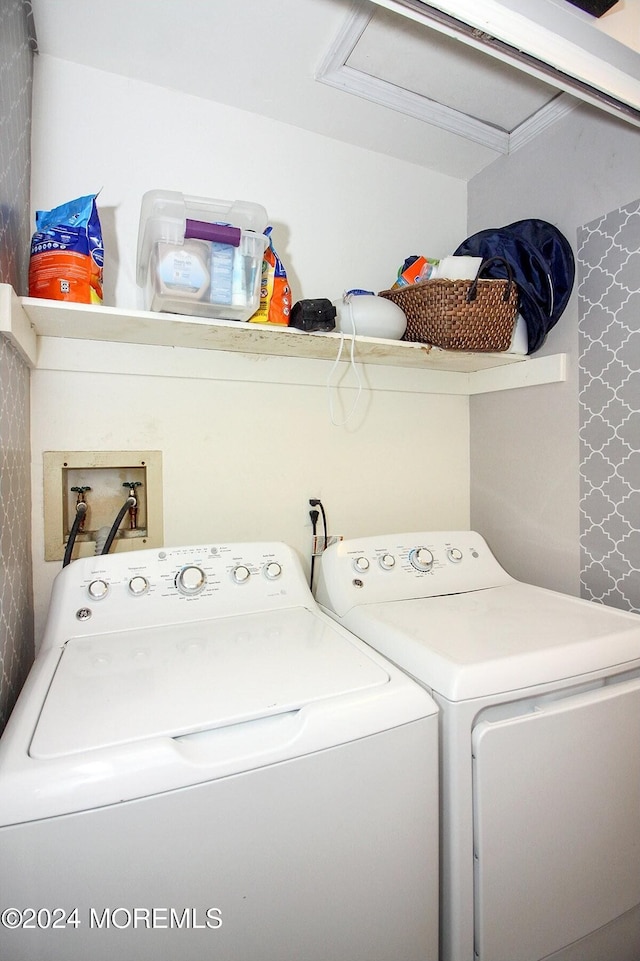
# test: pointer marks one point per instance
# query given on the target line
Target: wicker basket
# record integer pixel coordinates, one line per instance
(460, 314)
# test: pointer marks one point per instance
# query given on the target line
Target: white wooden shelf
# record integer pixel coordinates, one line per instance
(26, 320)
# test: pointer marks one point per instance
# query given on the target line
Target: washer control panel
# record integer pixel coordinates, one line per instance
(403, 566)
(124, 591)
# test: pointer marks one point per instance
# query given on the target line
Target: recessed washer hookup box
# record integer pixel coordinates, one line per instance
(201, 257)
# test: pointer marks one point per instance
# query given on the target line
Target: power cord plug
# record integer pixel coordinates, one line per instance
(314, 515)
(316, 502)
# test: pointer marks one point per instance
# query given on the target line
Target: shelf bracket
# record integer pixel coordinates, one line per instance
(16, 326)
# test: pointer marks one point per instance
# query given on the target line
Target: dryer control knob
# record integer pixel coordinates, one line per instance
(421, 558)
(454, 555)
(240, 574)
(98, 589)
(191, 580)
(272, 570)
(361, 564)
(138, 585)
(387, 562)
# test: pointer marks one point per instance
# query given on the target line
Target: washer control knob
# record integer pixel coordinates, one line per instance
(361, 564)
(98, 589)
(138, 585)
(454, 555)
(240, 574)
(191, 580)
(272, 570)
(421, 558)
(387, 562)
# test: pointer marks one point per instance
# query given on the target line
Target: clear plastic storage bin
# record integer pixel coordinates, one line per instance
(201, 257)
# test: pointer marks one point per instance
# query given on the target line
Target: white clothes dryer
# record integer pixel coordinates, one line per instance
(540, 751)
(204, 765)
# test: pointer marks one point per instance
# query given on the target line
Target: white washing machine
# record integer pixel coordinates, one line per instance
(204, 765)
(540, 712)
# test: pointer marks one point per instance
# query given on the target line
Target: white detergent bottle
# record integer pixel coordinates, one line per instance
(182, 269)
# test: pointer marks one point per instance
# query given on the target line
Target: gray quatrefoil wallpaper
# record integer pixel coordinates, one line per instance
(608, 265)
(16, 602)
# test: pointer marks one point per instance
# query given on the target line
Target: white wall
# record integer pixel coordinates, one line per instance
(525, 450)
(242, 455)
(343, 217)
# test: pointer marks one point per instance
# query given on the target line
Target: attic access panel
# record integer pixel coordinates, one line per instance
(551, 41)
(414, 69)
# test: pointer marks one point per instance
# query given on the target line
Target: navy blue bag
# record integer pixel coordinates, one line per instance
(543, 267)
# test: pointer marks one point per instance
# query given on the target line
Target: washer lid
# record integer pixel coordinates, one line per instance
(110, 689)
(498, 640)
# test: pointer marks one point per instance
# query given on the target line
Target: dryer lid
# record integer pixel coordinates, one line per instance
(110, 689)
(498, 640)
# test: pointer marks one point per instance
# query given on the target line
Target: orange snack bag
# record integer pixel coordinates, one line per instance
(67, 254)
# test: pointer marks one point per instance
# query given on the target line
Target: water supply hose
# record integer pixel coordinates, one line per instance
(81, 510)
(130, 502)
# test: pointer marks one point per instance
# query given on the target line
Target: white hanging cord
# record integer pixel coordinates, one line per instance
(336, 423)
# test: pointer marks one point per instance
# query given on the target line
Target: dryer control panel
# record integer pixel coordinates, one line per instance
(173, 585)
(394, 567)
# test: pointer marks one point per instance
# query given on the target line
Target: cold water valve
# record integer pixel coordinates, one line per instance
(133, 508)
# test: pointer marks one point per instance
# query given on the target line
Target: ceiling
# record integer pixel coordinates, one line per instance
(355, 72)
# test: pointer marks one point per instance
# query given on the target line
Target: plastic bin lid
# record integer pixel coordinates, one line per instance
(164, 214)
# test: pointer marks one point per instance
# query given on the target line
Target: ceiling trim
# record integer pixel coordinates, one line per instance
(529, 129)
(414, 105)
(335, 72)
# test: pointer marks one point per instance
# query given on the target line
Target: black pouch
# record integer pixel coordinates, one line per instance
(312, 315)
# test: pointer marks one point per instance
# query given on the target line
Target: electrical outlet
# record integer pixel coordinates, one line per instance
(320, 544)
(100, 476)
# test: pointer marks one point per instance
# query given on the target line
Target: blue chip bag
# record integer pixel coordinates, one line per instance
(67, 254)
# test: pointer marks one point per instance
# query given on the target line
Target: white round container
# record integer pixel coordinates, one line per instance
(371, 316)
